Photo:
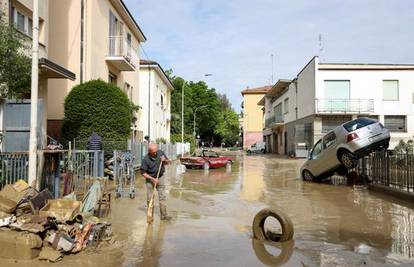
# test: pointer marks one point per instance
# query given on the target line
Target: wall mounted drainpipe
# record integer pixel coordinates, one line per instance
(11, 15)
(149, 101)
(81, 41)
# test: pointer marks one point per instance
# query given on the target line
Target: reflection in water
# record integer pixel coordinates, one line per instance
(152, 249)
(262, 251)
(334, 224)
(251, 178)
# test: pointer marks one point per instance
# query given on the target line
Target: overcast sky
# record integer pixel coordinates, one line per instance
(234, 39)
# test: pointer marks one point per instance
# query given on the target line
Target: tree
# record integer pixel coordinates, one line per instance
(211, 123)
(224, 101)
(228, 127)
(14, 63)
(97, 106)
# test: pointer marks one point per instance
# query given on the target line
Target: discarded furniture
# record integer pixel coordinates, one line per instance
(61, 209)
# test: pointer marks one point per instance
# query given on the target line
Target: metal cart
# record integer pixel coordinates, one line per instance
(124, 174)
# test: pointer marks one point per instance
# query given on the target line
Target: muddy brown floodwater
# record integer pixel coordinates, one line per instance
(212, 211)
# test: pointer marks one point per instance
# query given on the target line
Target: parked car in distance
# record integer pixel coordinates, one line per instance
(258, 147)
(339, 150)
(207, 159)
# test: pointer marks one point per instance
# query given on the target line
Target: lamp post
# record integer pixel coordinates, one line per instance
(182, 118)
(194, 118)
(34, 96)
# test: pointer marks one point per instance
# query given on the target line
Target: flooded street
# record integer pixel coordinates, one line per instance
(212, 212)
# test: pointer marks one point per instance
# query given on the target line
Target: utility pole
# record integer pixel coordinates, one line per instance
(34, 96)
(182, 118)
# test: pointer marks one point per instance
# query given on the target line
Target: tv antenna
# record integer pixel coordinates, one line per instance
(320, 45)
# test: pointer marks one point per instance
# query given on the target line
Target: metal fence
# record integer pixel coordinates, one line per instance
(88, 163)
(14, 166)
(389, 169)
(139, 150)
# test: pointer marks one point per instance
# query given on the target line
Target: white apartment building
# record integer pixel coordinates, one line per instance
(298, 112)
(154, 117)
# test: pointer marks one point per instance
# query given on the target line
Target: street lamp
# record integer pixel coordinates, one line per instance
(194, 117)
(182, 112)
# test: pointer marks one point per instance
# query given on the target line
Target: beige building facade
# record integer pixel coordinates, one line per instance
(19, 13)
(154, 117)
(96, 39)
(253, 115)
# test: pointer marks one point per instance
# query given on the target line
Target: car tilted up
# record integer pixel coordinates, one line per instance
(339, 150)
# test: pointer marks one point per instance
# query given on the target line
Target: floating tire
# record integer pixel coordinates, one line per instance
(260, 233)
(267, 258)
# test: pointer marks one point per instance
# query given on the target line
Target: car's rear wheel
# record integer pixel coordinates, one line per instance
(307, 176)
(348, 159)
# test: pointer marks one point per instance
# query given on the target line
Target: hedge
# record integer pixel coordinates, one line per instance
(97, 106)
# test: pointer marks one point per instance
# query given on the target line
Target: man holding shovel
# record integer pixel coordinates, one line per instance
(152, 168)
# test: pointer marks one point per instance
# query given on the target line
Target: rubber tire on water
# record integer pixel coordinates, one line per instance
(206, 165)
(309, 178)
(285, 222)
(286, 250)
(347, 159)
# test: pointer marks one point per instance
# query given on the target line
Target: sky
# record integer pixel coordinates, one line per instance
(234, 39)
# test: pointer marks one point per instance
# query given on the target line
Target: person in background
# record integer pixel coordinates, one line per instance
(94, 142)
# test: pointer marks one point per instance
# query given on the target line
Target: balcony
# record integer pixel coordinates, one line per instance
(121, 54)
(344, 106)
(274, 120)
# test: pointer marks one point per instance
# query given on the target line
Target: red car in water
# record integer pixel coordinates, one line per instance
(207, 159)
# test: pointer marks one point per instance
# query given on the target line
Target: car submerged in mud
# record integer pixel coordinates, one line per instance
(207, 159)
(339, 150)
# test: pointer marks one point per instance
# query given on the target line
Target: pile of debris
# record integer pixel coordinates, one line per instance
(33, 224)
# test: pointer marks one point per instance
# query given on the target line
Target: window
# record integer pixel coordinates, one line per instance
(20, 22)
(162, 101)
(390, 90)
(317, 149)
(329, 140)
(395, 123)
(30, 27)
(286, 106)
(278, 113)
(337, 89)
(129, 44)
(112, 78)
(331, 122)
(358, 123)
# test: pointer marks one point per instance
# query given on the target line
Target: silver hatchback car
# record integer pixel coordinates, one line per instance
(339, 150)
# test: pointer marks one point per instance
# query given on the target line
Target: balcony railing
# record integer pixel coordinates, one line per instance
(121, 54)
(274, 120)
(356, 106)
